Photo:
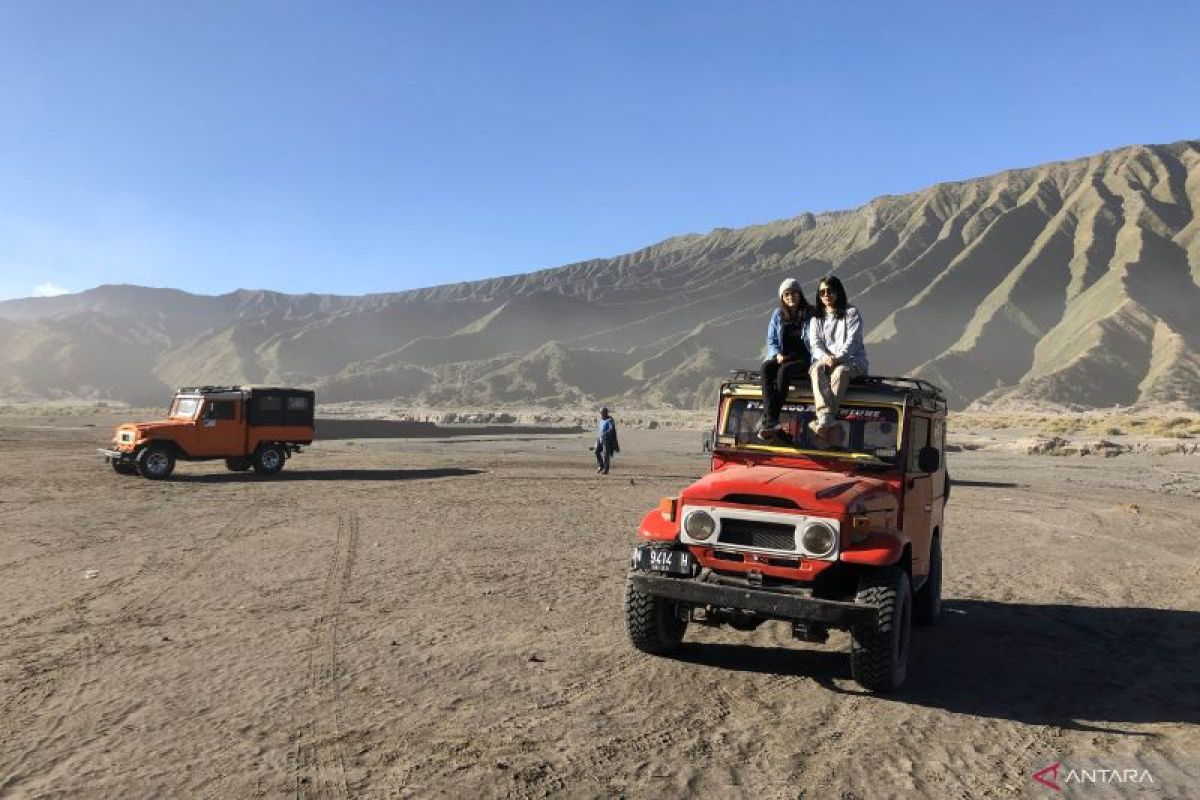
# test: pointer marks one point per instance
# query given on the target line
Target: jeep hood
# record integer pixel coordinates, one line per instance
(147, 428)
(811, 490)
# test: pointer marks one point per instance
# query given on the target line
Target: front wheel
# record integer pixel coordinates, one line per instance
(879, 649)
(124, 467)
(155, 462)
(653, 623)
(268, 459)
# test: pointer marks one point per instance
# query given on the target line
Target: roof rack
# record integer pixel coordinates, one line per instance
(905, 384)
(207, 389)
(745, 375)
(912, 386)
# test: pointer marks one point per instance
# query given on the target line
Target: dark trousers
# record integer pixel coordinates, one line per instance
(776, 378)
(603, 455)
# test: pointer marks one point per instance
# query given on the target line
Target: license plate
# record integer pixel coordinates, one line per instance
(657, 559)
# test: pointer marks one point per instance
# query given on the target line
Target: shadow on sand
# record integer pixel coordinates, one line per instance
(327, 429)
(331, 475)
(987, 484)
(1070, 666)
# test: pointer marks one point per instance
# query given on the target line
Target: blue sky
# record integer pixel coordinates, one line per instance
(378, 146)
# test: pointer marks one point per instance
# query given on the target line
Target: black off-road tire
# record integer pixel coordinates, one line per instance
(879, 650)
(268, 459)
(927, 601)
(124, 467)
(652, 622)
(156, 462)
(239, 464)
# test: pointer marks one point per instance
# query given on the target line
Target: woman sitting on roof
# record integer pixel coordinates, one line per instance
(787, 352)
(835, 338)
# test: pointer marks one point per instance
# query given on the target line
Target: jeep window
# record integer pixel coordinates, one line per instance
(297, 403)
(270, 402)
(938, 436)
(184, 407)
(220, 409)
(919, 438)
(860, 429)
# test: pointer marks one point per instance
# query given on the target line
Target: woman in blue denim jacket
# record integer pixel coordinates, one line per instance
(787, 352)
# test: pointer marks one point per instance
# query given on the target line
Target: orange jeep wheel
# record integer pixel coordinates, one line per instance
(268, 459)
(155, 462)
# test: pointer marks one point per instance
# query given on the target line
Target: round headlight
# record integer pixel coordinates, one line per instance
(818, 539)
(700, 525)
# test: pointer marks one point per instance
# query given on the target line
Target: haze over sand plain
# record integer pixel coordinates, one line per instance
(429, 617)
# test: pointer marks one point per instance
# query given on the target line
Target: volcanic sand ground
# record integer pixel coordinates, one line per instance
(395, 618)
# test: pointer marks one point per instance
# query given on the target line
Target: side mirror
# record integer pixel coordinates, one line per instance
(929, 459)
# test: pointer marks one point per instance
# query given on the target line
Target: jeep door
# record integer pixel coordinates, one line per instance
(918, 494)
(219, 430)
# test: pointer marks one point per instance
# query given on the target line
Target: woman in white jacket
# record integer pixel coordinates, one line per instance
(835, 339)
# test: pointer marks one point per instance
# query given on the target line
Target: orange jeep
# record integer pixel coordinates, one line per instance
(248, 427)
(842, 531)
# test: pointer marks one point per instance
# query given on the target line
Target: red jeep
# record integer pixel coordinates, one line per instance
(843, 531)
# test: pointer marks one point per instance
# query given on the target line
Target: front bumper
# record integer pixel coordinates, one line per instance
(778, 605)
(122, 456)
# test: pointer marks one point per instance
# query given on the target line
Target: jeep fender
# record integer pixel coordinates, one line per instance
(879, 549)
(171, 445)
(656, 529)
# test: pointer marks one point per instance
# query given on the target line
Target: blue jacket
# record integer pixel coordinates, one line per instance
(607, 435)
(775, 343)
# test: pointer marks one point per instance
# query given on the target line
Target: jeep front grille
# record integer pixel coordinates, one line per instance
(754, 533)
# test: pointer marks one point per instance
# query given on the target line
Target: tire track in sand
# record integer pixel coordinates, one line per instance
(317, 760)
(65, 670)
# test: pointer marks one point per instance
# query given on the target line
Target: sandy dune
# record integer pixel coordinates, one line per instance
(441, 617)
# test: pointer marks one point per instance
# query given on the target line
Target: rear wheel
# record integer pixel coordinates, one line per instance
(239, 464)
(879, 650)
(927, 602)
(653, 623)
(268, 459)
(155, 462)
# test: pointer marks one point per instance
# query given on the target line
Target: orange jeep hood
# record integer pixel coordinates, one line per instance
(812, 490)
(144, 428)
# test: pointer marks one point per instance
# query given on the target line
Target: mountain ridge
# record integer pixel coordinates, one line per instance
(1068, 283)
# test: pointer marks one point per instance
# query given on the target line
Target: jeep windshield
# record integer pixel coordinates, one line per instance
(860, 430)
(184, 407)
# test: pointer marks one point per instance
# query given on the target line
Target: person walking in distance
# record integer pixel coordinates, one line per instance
(787, 353)
(606, 442)
(835, 337)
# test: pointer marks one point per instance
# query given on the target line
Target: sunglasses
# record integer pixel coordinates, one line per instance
(829, 292)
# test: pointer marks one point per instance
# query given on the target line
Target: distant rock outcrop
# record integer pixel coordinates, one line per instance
(1073, 283)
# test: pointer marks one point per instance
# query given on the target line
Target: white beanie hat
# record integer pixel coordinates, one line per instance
(789, 283)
